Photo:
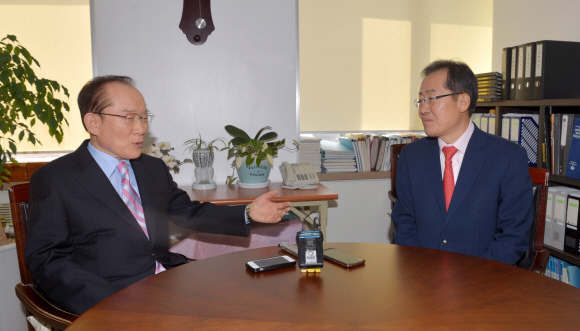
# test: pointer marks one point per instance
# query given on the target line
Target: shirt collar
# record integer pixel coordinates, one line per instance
(461, 143)
(107, 162)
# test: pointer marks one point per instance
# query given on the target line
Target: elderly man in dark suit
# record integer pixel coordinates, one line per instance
(461, 190)
(99, 216)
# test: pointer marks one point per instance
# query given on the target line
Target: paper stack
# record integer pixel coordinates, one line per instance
(337, 157)
(310, 151)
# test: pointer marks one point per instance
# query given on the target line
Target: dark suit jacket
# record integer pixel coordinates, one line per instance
(83, 242)
(491, 211)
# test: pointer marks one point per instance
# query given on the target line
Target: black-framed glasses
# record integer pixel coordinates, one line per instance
(132, 118)
(431, 100)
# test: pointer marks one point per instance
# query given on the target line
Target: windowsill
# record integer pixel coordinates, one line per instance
(34, 157)
(354, 175)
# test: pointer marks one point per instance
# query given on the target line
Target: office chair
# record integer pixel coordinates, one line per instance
(536, 258)
(395, 151)
(34, 303)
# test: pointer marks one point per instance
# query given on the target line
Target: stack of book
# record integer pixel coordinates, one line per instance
(373, 152)
(310, 151)
(337, 157)
(489, 86)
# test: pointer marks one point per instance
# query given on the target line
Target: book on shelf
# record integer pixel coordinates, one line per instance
(573, 164)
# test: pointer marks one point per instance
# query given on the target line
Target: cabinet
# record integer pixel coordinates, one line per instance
(543, 108)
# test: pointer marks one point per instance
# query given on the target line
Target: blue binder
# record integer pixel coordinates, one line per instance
(573, 166)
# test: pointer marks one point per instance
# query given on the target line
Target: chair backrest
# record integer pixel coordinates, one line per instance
(34, 303)
(536, 258)
(395, 151)
(19, 195)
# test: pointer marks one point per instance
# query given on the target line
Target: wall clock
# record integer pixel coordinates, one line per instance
(196, 21)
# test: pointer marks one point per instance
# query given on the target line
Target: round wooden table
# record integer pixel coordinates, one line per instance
(399, 287)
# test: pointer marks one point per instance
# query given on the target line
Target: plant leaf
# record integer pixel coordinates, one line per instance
(236, 132)
(269, 136)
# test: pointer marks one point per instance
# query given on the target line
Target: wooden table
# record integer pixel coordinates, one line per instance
(398, 288)
(234, 195)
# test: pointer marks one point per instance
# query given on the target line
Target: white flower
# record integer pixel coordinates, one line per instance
(169, 160)
(165, 146)
(153, 151)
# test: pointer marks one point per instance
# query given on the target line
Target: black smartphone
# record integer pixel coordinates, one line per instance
(270, 263)
(342, 258)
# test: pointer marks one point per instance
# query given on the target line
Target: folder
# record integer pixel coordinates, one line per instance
(484, 122)
(520, 73)
(573, 164)
(560, 209)
(550, 201)
(524, 131)
(506, 59)
(566, 148)
(491, 124)
(513, 72)
(572, 235)
(505, 126)
(476, 119)
(557, 70)
(548, 232)
(529, 66)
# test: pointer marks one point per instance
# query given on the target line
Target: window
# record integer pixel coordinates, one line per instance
(58, 34)
(360, 61)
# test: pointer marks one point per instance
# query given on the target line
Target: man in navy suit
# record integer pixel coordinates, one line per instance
(99, 216)
(478, 199)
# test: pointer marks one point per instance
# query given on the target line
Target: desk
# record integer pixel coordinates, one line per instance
(399, 287)
(234, 195)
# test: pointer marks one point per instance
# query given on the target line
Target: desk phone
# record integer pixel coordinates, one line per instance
(298, 175)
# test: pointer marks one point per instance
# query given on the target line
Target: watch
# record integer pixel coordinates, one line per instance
(248, 213)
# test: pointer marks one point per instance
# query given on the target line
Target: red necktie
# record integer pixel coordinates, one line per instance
(133, 202)
(448, 181)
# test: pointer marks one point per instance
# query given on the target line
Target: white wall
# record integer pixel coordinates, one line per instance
(360, 213)
(12, 316)
(517, 22)
(244, 74)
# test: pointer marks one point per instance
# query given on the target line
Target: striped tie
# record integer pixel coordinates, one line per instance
(133, 202)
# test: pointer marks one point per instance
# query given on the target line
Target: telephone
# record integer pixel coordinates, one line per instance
(298, 175)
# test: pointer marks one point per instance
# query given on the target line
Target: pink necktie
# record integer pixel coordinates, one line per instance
(133, 202)
(448, 181)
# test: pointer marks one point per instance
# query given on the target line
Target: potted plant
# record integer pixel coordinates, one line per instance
(25, 97)
(253, 157)
(203, 156)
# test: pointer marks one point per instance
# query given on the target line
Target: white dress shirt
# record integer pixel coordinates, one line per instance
(457, 159)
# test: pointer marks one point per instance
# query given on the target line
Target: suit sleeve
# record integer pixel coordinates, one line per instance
(515, 212)
(403, 212)
(206, 217)
(48, 252)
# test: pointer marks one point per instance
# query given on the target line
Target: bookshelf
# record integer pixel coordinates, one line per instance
(544, 108)
(354, 175)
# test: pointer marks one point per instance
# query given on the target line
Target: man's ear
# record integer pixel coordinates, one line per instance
(93, 123)
(464, 101)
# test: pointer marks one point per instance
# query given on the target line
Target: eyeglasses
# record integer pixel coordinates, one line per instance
(134, 118)
(431, 100)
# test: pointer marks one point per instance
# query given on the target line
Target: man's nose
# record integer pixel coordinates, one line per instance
(140, 127)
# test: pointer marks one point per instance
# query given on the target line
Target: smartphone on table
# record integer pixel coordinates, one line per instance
(332, 254)
(270, 263)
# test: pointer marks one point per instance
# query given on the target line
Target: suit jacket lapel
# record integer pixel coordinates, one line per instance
(434, 179)
(94, 180)
(472, 162)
